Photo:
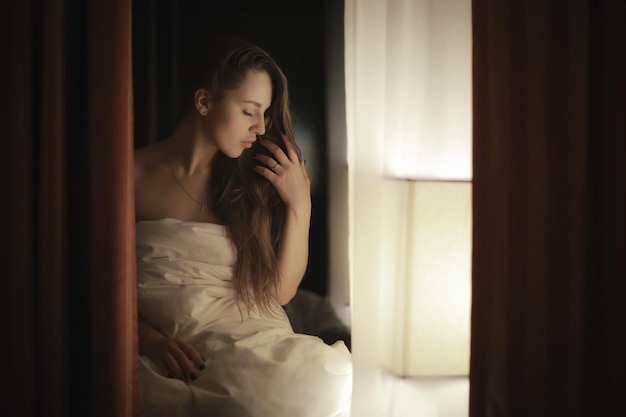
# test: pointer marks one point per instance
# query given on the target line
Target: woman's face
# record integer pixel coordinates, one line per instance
(234, 122)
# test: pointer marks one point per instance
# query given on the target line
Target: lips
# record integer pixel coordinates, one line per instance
(248, 143)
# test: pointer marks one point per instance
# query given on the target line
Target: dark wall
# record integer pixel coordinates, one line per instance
(292, 32)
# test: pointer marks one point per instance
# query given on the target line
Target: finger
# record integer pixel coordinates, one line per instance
(288, 143)
(269, 162)
(266, 172)
(305, 173)
(172, 365)
(184, 364)
(291, 150)
(192, 353)
(276, 150)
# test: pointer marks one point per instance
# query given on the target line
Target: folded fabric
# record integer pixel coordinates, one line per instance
(256, 365)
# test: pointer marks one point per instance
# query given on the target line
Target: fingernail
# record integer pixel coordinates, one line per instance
(201, 367)
(193, 377)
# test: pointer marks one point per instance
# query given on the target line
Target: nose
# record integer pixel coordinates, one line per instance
(258, 128)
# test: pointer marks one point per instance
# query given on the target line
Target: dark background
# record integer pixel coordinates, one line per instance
(292, 32)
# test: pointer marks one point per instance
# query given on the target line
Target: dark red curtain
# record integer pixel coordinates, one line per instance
(68, 295)
(549, 261)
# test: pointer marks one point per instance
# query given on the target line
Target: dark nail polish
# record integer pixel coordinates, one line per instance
(201, 367)
(193, 377)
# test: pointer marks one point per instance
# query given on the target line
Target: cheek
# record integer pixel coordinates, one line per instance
(234, 124)
(228, 133)
(218, 126)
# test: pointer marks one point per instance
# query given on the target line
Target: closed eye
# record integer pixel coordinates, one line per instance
(247, 113)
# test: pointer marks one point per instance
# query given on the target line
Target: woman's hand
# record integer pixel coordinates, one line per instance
(287, 174)
(174, 358)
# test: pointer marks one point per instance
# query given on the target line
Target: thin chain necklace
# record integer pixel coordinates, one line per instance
(185, 191)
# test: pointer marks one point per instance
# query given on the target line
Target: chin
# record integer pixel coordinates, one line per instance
(233, 154)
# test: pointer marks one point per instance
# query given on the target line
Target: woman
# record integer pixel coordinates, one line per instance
(223, 210)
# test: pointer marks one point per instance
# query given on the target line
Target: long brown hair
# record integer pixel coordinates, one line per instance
(244, 201)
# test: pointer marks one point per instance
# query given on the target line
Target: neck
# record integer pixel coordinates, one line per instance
(190, 149)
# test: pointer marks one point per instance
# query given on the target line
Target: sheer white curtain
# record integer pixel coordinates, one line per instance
(408, 114)
(365, 126)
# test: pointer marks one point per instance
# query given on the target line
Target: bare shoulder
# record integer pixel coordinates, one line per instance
(149, 172)
(148, 162)
(145, 158)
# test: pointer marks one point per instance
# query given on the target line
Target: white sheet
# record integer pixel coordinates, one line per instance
(256, 365)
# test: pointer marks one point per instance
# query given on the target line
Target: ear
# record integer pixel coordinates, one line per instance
(203, 100)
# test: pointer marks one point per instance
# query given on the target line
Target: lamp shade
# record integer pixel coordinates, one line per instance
(427, 292)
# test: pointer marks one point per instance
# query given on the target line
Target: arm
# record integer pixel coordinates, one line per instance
(288, 175)
(293, 253)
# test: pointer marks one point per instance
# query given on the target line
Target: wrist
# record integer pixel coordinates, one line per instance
(300, 212)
